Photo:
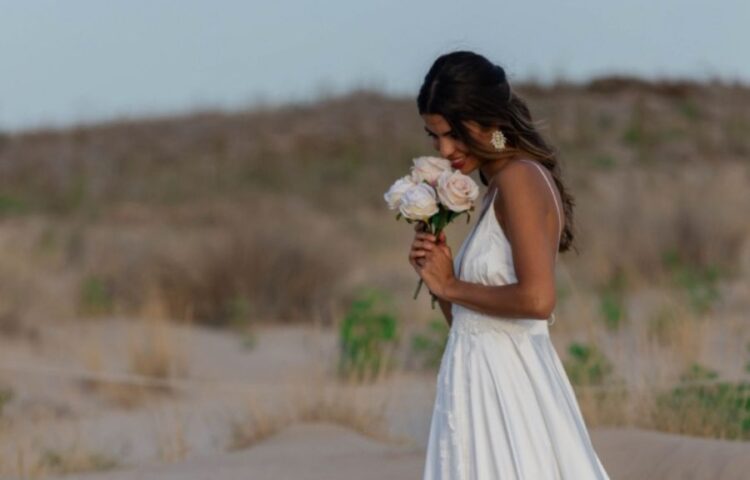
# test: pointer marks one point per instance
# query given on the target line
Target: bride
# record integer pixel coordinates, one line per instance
(504, 407)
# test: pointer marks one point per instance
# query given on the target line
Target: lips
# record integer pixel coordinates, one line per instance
(456, 164)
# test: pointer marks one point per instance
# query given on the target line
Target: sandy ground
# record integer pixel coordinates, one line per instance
(186, 436)
(326, 452)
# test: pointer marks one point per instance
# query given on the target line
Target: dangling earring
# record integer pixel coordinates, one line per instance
(498, 140)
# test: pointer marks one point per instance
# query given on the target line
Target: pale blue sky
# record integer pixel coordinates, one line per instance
(77, 61)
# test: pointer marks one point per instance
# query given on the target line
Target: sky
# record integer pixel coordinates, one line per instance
(81, 61)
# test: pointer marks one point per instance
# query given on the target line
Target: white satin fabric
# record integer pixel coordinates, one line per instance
(504, 407)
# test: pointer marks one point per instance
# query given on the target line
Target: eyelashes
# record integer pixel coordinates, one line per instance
(451, 135)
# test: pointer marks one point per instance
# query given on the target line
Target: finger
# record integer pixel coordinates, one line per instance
(425, 236)
(422, 244)
(415, 263)
(442, 238)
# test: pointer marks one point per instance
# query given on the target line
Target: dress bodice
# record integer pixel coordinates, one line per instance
(486, 257)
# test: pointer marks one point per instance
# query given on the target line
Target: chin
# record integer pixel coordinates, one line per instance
(467, 167)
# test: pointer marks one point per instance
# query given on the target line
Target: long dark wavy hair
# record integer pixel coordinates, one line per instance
(463, 86)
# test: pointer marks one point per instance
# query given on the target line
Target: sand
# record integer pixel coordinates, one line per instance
(309, 451)
(316, 451)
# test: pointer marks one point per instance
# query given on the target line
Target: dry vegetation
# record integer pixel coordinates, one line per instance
(208, 212)
(350, 404)
(276, 216)
(33, 461)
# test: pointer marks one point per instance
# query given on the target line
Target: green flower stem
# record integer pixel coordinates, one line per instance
(435, 226)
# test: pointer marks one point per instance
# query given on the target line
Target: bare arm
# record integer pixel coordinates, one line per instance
(524, 202)
(446, 306)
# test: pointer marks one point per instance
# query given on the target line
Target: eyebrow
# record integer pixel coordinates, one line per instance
(433, 133)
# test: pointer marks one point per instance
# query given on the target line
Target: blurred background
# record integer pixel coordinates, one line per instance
(198, 271)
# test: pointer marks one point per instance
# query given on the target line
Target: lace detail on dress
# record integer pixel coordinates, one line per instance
(472, 323)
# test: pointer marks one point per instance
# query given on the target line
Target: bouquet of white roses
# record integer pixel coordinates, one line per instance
(433, 194)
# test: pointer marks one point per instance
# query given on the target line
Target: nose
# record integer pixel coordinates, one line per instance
(446, 147)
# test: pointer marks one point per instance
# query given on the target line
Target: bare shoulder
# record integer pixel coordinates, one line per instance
(519, 179)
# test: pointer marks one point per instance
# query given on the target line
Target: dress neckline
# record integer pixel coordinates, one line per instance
(470, 239)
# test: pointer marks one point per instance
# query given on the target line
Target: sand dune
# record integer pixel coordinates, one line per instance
(325, 452)
(637, 454)
(312, 451)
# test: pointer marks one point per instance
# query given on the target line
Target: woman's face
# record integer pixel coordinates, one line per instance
(447, 143)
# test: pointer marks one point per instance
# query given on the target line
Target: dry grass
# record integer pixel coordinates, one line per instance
(191, 207)
(156, 350)
(121, 394)
(353, 405)
(189, 201)
(211, 264)
(256, 425)
(34, 459)
(170, 429)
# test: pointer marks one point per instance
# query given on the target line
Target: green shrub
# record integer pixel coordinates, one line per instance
(11, 205)
(428, 346)
(697, 372)
(63, 462)
(720, 410)
(663, 325)
(587, 365)
(238, 312)
(698, 282)
(6, 395)
(366, 336)
(612, 301)
(604, 161)
(95, 297)
(689, 109)
(699, 406)
(633, 135)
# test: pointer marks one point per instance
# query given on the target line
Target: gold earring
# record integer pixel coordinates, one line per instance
(498, 140)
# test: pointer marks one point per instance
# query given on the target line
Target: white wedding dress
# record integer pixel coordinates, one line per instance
(504, 407)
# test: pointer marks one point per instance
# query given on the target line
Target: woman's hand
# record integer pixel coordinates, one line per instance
(423, 242)
(432, 259)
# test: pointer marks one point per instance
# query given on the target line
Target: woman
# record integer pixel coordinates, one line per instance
(504, 407)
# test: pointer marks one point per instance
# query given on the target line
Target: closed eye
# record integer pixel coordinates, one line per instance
(449, 133)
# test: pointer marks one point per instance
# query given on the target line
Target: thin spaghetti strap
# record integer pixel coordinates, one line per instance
(554, 197)
(559, 216)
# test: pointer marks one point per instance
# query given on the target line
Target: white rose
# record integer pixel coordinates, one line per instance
(457, 191)
(428, 169)
(419, 202)
(397, 190)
